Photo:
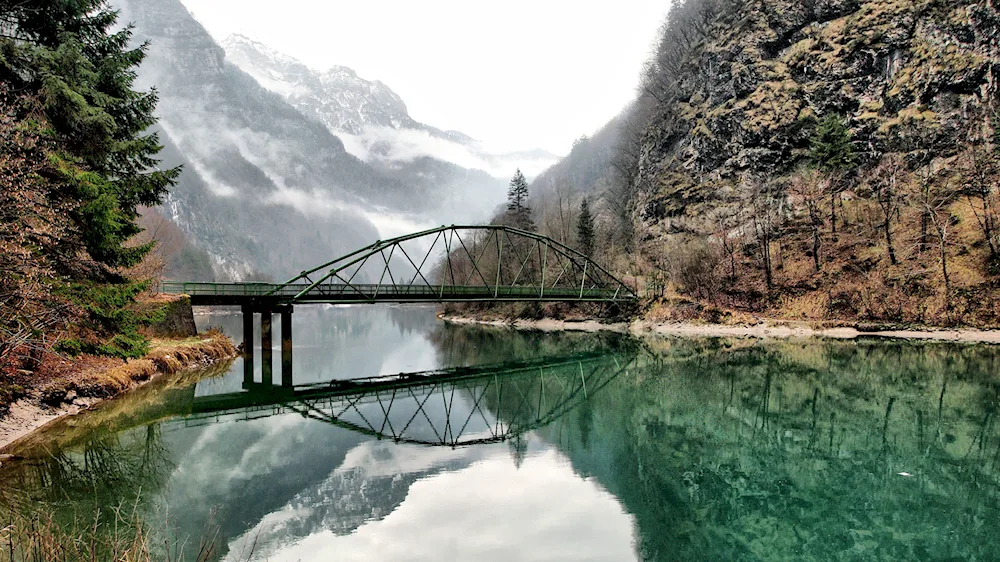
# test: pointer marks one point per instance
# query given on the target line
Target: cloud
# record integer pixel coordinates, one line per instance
(472, 513)
(386, 145)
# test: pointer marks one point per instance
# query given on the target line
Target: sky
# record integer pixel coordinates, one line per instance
(516, 75)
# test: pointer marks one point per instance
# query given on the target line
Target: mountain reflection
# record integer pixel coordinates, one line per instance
(582, 446)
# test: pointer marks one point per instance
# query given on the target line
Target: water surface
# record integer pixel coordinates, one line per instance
(539, 446)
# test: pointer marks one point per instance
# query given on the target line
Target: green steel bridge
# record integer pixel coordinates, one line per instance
(504, 401)
(448, 264)
(444, 264)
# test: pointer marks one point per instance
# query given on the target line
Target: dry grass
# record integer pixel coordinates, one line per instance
(30, 533)
(109, 377)
(857, 284)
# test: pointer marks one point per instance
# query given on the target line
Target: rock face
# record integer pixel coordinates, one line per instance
(375, 125)
(264, 188)
(178, 320)
(746, 90)
(338, 98)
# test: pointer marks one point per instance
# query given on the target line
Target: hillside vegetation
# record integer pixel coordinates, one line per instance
(75, 164)
(825, 159)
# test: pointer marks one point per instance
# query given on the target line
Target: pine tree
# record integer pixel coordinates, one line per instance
(518, 211)
(67, 72)
(69, 58)
(831, 149)
(832, 152)
(585, 230)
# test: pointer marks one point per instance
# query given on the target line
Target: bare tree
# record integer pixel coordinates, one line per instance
(981, 174)
(934, 199)
(725, 223)
(885, 182)
(766, 204)
(810, 188)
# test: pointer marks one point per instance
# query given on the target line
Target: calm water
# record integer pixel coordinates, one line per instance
(548, 447)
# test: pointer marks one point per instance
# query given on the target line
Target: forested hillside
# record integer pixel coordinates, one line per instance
(822, 159)
(76, 161)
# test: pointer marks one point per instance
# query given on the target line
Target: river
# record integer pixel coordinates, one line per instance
(543, 446)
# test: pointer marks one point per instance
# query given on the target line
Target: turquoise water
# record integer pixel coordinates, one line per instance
(534, 446)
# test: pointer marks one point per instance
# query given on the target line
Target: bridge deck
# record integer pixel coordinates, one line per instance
(333, 293)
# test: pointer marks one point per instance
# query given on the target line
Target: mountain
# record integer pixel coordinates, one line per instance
(831, 159)
(337, 97)
(264, 187)
(744, 91)
(371, 119)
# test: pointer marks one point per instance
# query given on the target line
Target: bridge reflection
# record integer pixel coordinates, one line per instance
(449, 407)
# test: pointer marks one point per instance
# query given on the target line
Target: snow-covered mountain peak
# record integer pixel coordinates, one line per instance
(337, 97)
(243, 44)
(370, 118)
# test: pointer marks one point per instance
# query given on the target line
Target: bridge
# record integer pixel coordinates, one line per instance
(450, 407)
(448, 264)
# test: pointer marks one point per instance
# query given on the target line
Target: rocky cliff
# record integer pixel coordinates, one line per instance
(820, 159)
(749, 78)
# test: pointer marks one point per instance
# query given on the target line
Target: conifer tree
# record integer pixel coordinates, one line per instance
(585, 230)
(830, 149)
(518, 211)
(70, 57)
(78, 130)
(832, 152)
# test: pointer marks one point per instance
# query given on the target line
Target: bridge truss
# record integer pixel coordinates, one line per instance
(444, 264)
(454, 407)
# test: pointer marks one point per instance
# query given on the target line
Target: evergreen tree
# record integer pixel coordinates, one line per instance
(77, 129)
(832, 152)
(831, 149)
(585, 230)
(67, 58)
(518, 211)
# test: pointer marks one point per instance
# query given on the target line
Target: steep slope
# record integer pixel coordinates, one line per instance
(823, 160)
(743, 93)
(375, 125)
(264, 187)
(337, 97)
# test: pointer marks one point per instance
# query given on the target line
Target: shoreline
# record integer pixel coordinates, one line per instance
(763, 330)
(78, 394)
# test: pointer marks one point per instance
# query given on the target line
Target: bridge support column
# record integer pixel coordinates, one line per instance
(247, 345)
(286, 346)
(266, 341)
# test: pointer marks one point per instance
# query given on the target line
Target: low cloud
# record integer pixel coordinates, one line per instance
(386, 144)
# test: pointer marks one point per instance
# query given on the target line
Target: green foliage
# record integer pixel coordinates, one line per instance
(111, 311)
(585, 230)
(70, 346)
(81, 155)
(830, 148)
(518, 211)
(69, 58)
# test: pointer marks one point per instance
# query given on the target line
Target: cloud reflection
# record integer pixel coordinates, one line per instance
(489, 510)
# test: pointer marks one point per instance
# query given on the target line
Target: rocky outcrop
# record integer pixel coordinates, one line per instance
(746, 95)
(178, 320)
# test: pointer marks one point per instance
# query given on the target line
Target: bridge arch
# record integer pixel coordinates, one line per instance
(459, 264)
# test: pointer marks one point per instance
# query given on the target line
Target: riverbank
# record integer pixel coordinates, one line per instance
(764, 329)
(68, 386)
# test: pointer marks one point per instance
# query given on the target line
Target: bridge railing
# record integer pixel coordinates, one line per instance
(375, 292)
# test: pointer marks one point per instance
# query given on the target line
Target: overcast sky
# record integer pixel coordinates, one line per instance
(517, 74)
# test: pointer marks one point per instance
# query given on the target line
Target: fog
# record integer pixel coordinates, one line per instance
(281, 172)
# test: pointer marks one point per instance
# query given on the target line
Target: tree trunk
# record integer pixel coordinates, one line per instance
(924, 219)
(833, 214)
(944, 268)
(888, 242)
(816, 247)
(766, 252)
